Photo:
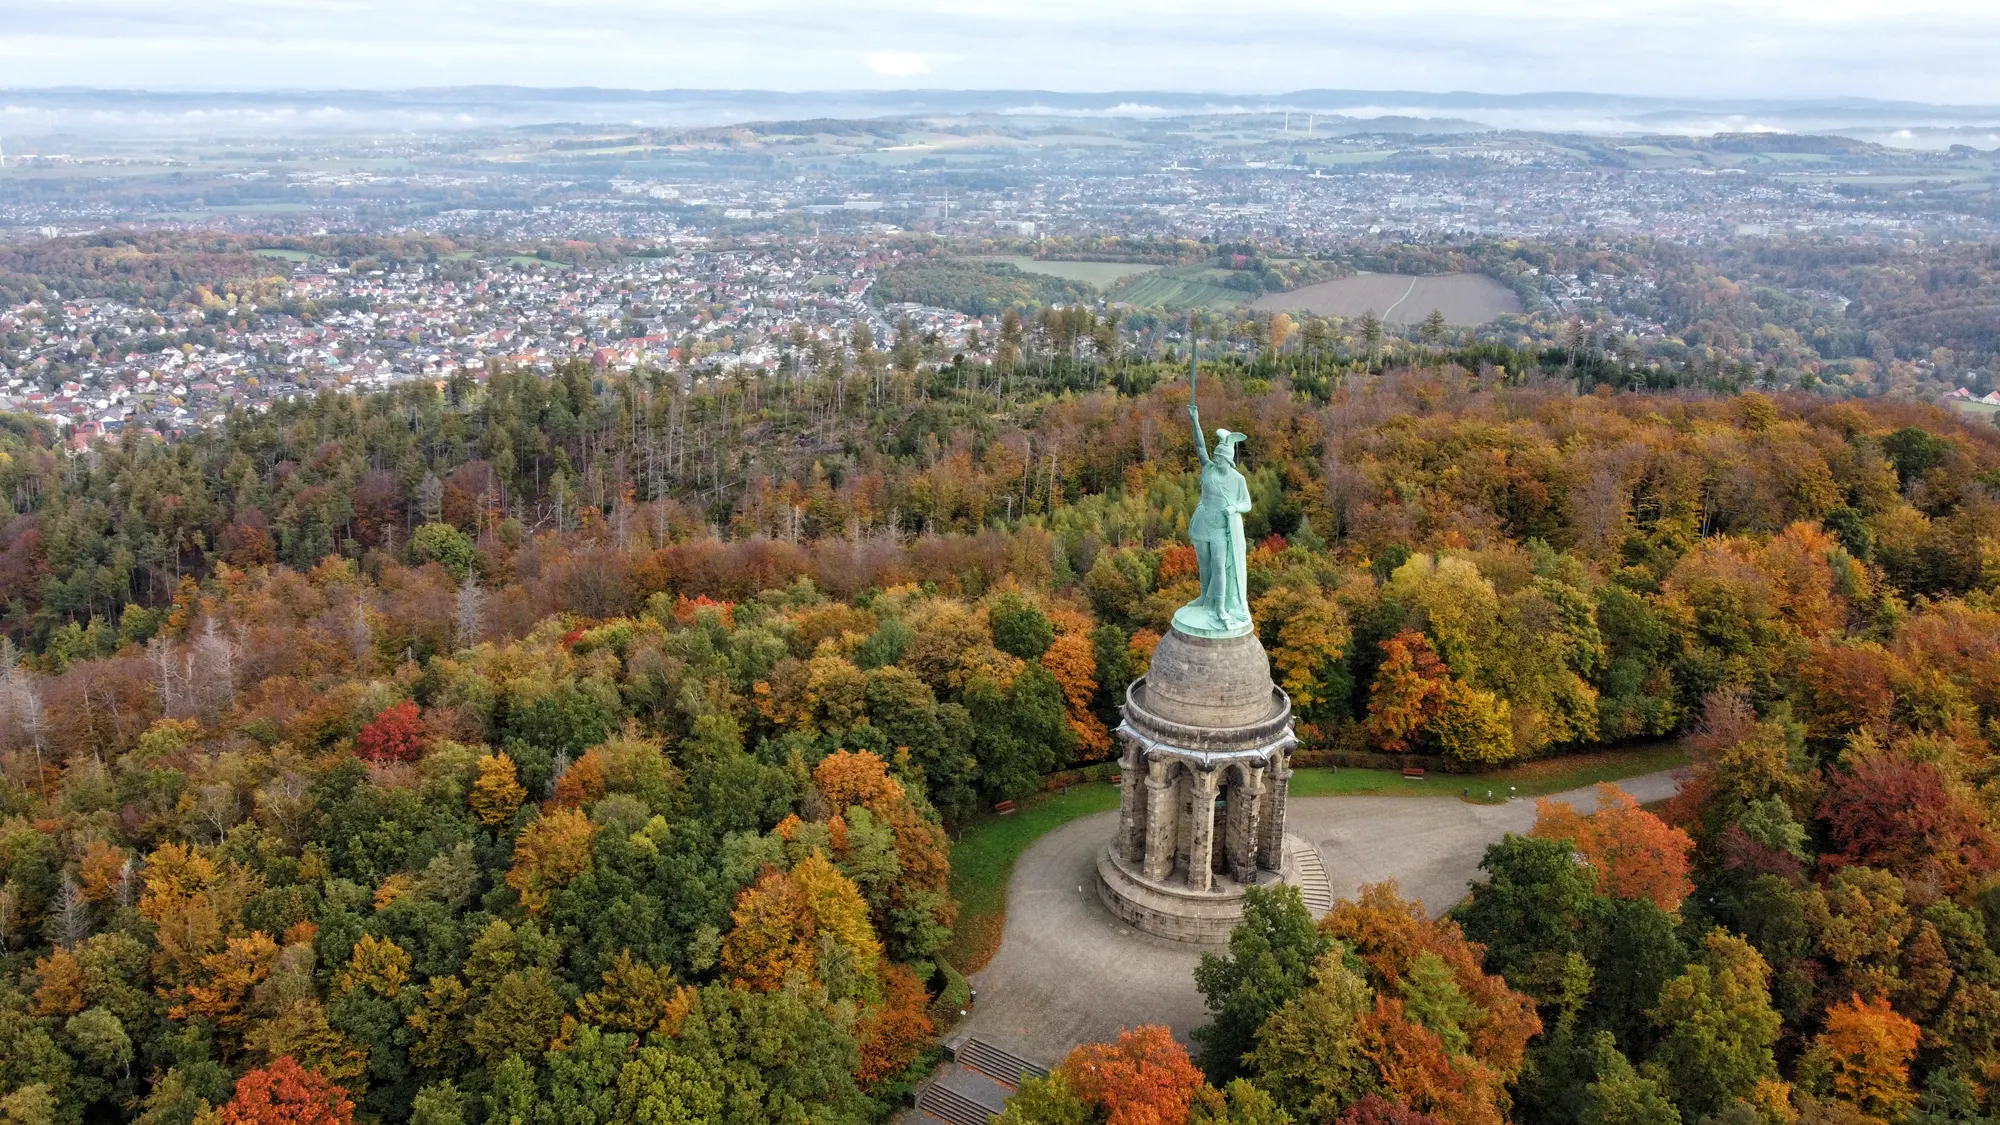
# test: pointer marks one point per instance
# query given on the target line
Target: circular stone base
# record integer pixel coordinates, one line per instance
(1171, 910)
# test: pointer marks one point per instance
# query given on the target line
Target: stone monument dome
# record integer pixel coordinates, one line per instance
(1216, 688)
(1207, 739)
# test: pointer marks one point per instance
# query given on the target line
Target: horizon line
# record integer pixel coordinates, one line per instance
(888, 91)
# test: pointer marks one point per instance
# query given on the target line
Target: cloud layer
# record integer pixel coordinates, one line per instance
(1924, 50)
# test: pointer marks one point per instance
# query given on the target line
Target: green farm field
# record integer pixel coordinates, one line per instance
(1176, 289)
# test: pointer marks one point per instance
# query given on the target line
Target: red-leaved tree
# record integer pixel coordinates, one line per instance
(396, 735)
(1378, 1110)
(1905, 817)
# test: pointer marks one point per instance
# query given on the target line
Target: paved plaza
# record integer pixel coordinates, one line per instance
(1068, 972)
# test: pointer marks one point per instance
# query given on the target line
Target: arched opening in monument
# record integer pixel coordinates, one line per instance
(1218, 857)
(1240, 819)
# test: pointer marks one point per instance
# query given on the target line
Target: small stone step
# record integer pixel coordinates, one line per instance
(1314, 887)
(1000, 1065)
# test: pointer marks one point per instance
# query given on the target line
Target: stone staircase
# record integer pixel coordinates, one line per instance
(1314, 886)
(944, 1101)
(976, 1085)
(1003, 1067)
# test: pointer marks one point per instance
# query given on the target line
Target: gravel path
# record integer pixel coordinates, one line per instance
(1068, 972)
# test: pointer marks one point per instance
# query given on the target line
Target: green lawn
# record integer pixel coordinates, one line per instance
(982, 861)
(1536, 779)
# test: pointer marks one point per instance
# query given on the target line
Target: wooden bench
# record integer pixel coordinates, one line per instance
(1004, 808)
(1414, 773)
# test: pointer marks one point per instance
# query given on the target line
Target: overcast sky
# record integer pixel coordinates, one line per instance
(1926, 50)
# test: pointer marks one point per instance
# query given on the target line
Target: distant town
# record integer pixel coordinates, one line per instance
(715, 251)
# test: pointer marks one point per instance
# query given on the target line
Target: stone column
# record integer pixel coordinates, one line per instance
(1131, 842)
(1201, 831)
(1160, 819)
(1183, 817)
(1271, 822)
(1245, 806)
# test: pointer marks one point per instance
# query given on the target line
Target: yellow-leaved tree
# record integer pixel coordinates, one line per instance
(497, 792)
(550, 853)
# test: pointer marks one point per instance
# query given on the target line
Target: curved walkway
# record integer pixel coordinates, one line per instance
(1068, 972)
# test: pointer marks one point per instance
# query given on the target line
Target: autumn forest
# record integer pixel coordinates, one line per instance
(589, 748)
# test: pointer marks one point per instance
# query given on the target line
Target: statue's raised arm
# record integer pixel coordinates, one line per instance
(1194, 411)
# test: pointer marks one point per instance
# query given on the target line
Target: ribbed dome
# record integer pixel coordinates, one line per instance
(1220, 688)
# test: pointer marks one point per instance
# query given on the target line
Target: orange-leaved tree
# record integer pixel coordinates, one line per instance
(286, 1093)
(770, 935)
(1073, 662)
(778, 923)
(1633, 853)
(1409, 689)
(1419, 1069)
(105, 869)
(891, 1034)
(582, 783)
(847, 779)
(1143, 1079)
(222, 990)
(1866, 1051)
(60, 991)
(1434, 1001)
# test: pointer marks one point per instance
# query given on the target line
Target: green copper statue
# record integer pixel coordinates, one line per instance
(1223, 609)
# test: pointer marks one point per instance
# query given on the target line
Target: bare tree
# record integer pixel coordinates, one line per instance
(212, 668)
(471, 604)
(360, 634)
(218, 807)
(285, 804)
(167, 671)
(69, 915)
(430, 497)
(20, 697)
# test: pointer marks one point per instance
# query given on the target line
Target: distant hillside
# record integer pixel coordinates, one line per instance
(1792, 142)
